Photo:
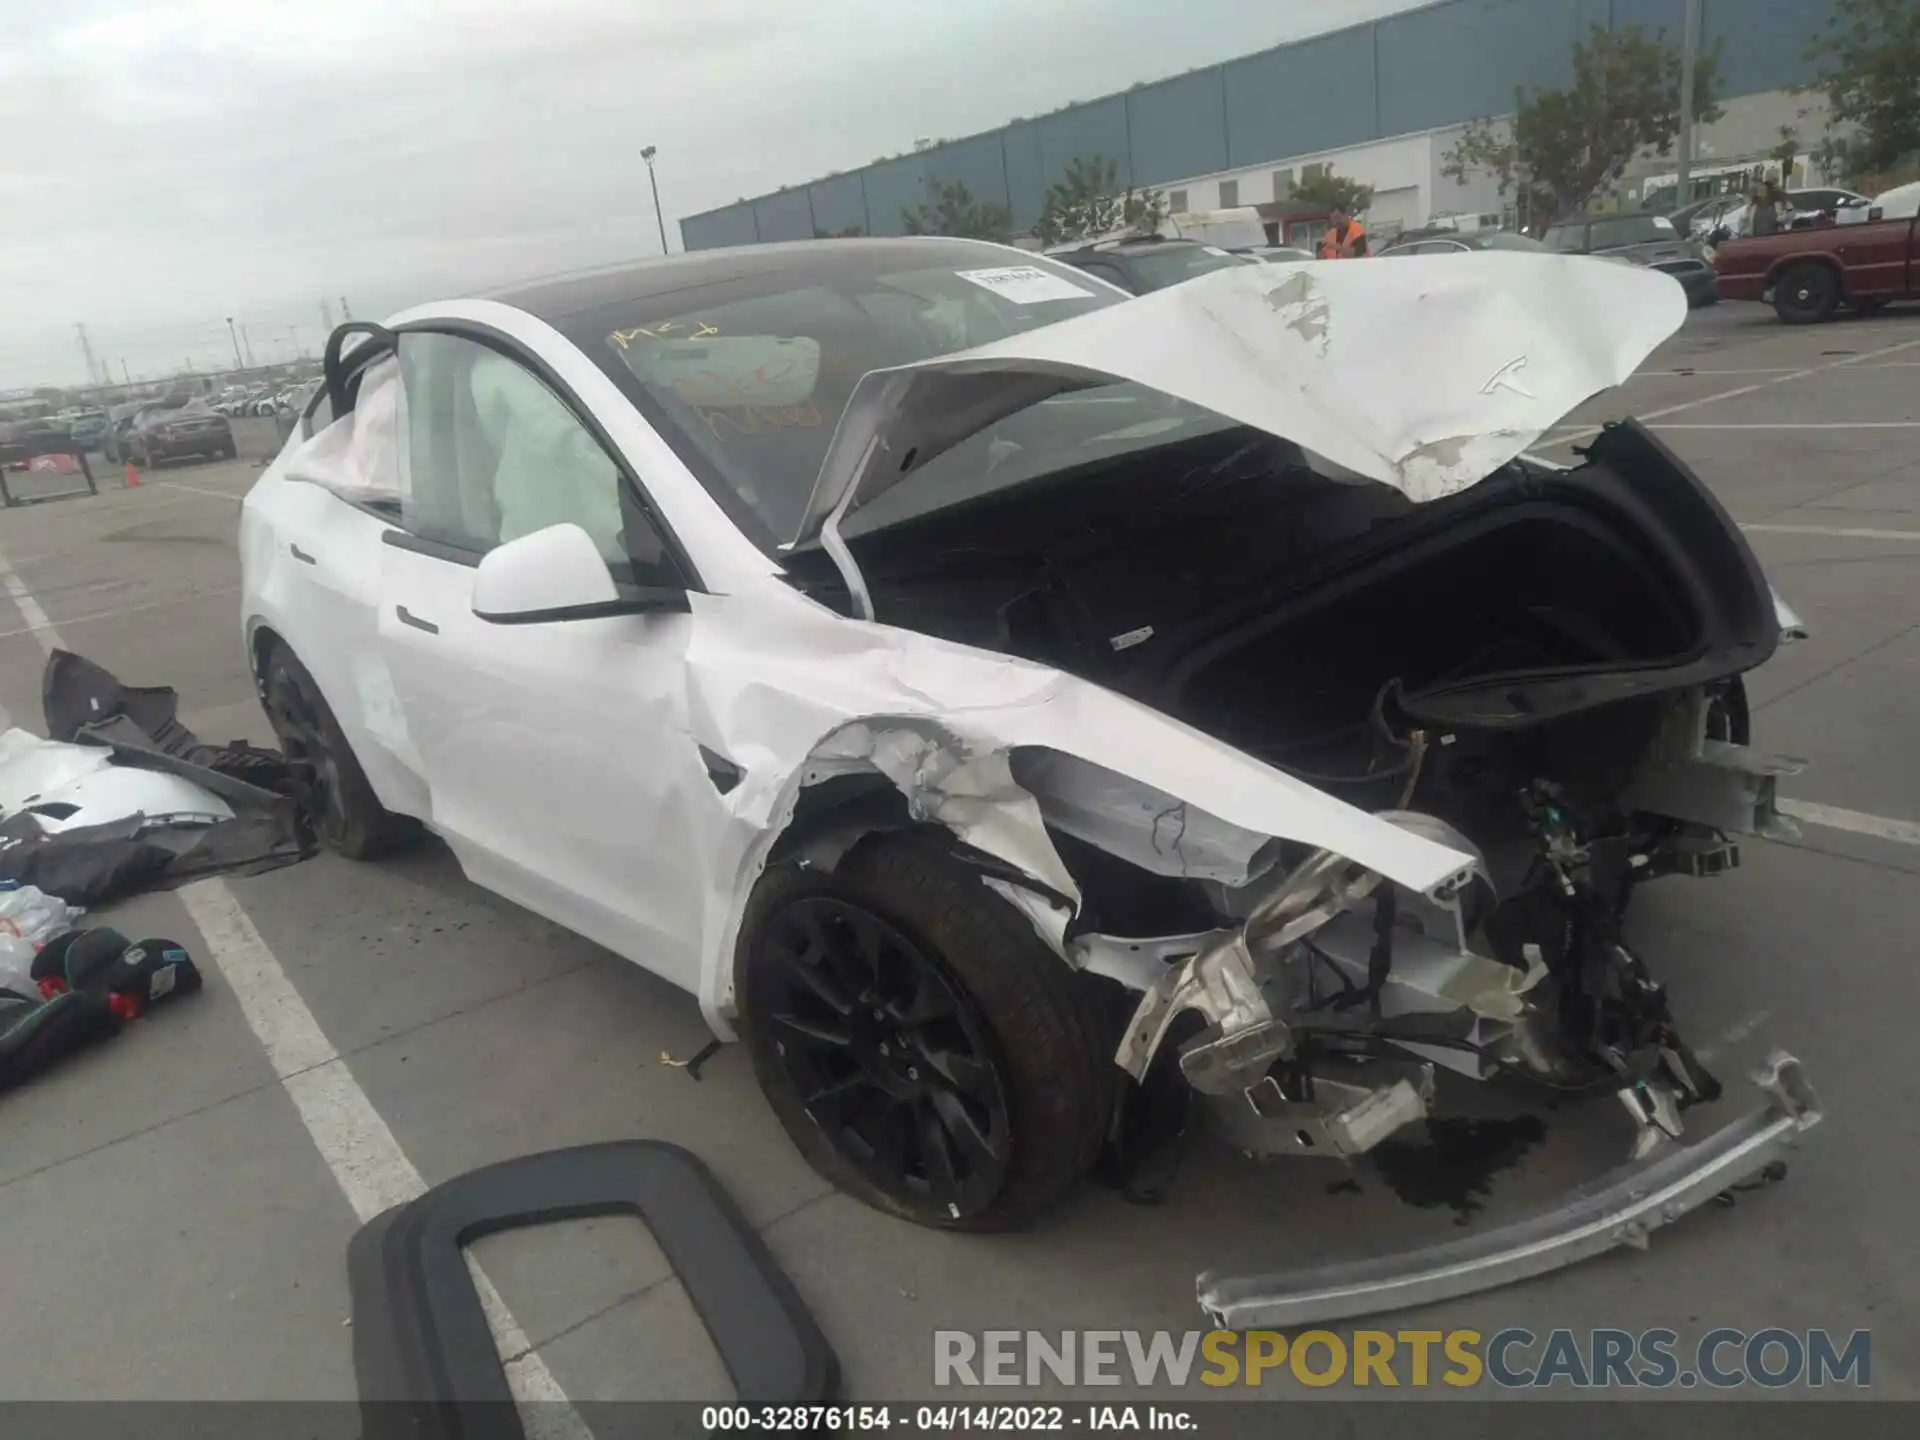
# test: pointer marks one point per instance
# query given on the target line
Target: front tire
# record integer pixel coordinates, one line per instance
(1806, 294)
(346, 815)
(925, 1051)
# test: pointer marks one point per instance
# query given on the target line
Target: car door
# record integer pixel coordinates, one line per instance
(1874, 258)
(558, 758)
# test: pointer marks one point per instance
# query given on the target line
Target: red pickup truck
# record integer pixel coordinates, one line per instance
(1808, 274)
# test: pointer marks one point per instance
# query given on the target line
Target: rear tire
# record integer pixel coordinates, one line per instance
(1806, 294)
(925, 1051)
(346, 815)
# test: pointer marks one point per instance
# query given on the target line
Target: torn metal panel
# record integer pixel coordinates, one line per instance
(1425, 375)
(1144, 826)
(791, 695)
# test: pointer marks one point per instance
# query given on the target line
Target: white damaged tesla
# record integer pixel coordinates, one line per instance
(994, 697)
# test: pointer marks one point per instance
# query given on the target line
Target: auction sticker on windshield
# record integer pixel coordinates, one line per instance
(1025, 284)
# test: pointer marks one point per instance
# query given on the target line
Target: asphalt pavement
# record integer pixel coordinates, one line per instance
(201, 1176)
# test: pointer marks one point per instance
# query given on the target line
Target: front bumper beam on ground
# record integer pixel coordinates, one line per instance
(1622, 1208)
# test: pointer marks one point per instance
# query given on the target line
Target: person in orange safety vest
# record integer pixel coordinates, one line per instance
(1346, 238)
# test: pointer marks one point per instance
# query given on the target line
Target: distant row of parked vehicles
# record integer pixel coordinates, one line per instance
(151, 432)
(1834, 249)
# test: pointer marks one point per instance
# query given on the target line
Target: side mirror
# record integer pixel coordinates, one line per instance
(558, 574)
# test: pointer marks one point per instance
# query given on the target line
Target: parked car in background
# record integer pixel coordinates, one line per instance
(1278, 254)
(171, 433)
(1459, 242)
(1808, 274)
(1642, 239)
(1703, 216)
(120, 418)
(21, 440)
(89, 428)
(1150, 263)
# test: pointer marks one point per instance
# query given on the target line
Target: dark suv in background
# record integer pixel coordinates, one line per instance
(1643, 239)
(174, 428)
(1149, 263)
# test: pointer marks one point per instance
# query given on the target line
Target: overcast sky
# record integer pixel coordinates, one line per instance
(167, 163)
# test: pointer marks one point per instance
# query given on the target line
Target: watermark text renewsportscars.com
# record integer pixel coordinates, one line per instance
(1721, 1358)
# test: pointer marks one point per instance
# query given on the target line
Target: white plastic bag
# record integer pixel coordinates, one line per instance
(16, 966)
(32, 915)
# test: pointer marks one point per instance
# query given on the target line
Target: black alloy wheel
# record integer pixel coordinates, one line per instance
(295, 716)
(339, 802)
(888, 1055)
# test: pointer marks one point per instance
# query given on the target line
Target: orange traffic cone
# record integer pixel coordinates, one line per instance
(133, 476)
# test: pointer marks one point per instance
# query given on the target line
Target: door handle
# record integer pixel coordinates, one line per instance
(408, 618)
(302, 556)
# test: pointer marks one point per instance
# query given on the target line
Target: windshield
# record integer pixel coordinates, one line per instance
(1157, 269)
(746, 377)
(1565, 237)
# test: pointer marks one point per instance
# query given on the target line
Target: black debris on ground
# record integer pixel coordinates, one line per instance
(1455, 1168)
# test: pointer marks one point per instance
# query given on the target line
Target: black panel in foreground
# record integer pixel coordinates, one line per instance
(424, 1356)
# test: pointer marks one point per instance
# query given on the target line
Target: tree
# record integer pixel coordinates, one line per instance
(1563, 147)
(1335, 192)
(1089, 202)
(1869, 54)
(950, 209)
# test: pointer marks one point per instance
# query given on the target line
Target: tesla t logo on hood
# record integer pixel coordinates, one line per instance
(1502, 379)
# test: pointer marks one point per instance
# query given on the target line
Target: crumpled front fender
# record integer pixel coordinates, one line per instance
(791, 695)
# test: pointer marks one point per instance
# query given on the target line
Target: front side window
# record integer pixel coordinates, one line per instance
(492, 454)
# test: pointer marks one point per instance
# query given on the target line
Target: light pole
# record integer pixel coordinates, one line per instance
(234, 336)
(654, 180)
(1689, 54)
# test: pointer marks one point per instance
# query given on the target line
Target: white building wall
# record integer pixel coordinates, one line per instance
(1410, 191)
(1400, 170)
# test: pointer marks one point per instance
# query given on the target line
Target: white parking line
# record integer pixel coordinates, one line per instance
(46, 626)
(37, 622)
(1907, 832)
(1583, 431)
(367, 1163)
(1686, 373)
(1835, 532)
(200, 489)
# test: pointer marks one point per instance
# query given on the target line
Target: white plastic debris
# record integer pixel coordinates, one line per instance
(33, 917)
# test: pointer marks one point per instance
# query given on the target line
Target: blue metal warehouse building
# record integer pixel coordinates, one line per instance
(1378, 101)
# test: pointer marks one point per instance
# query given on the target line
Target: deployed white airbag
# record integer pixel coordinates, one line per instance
(359, 456)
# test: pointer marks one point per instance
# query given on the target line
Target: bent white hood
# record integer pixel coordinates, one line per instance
(1426, 373)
